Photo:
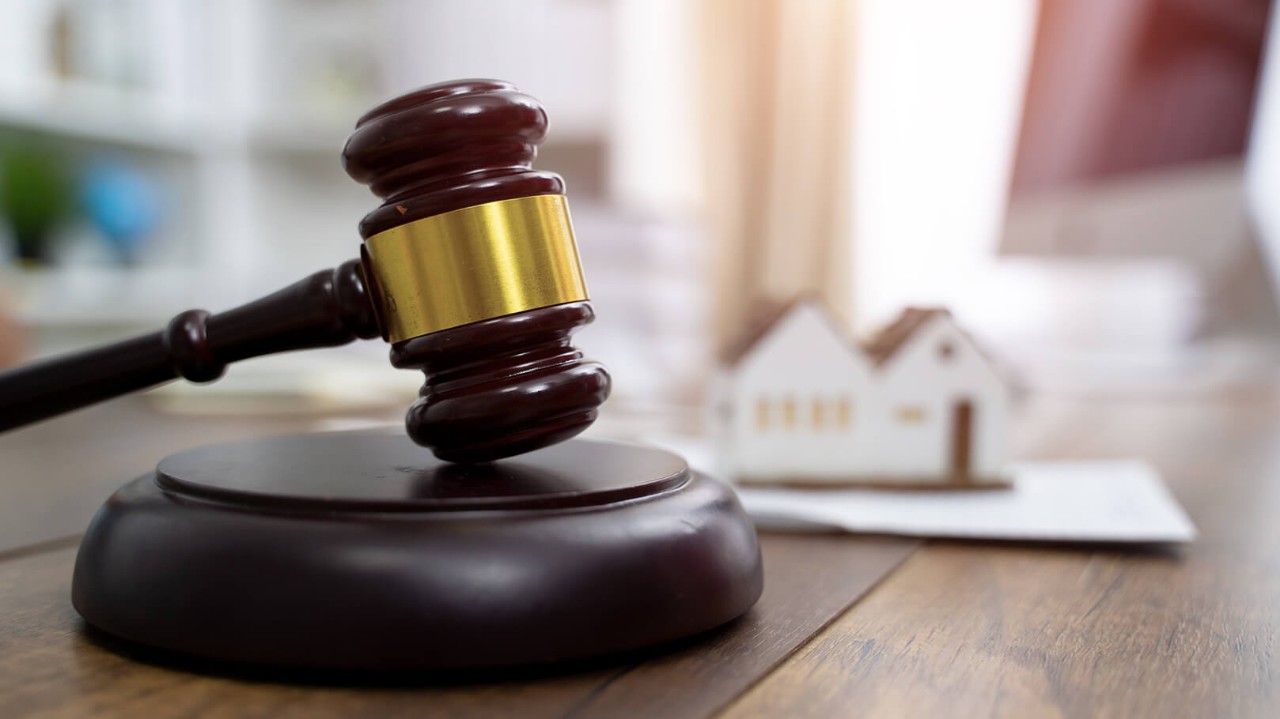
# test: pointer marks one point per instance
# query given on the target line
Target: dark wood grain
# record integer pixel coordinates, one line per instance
(358, 551)
(984, 630)
(508, 384)
(807, 579)
(49, 668)
(447, 146)
(503, 386)
(54, 475)
(958, 629)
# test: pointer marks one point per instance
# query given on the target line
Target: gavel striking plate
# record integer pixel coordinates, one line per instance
(515, 544)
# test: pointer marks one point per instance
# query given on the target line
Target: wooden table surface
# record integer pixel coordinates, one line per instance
(861, 626)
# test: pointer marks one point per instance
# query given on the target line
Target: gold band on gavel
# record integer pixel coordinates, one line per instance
(474, 264)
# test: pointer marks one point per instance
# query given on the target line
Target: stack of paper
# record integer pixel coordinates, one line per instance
(1083, 501)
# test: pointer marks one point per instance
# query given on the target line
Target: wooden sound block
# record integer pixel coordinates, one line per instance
(361, 551)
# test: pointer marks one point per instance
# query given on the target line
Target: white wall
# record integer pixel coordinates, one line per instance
(939, 97)
(555, 50)
(653, 168)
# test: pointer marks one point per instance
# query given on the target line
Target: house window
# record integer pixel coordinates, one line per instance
(913, 414)
(818, 413)
(844, 413)
(762, 414)
(789, 413)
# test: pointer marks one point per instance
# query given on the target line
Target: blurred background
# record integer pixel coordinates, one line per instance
(1090, 185)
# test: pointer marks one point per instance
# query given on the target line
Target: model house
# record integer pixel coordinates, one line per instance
(918, 405)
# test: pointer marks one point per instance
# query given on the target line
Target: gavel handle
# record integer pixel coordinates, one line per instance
(329, 308)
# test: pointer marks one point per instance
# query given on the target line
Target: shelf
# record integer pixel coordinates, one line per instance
(98, 113)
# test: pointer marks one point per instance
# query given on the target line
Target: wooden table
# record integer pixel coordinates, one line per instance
(847, 626)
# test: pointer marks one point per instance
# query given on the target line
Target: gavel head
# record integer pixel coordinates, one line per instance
(473, 270)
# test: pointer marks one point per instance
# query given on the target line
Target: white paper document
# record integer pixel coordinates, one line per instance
(1080, 501)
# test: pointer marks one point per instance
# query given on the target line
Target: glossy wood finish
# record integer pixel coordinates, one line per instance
(357, 551)
(506, 385)
(503, 386)
(448, 146)
(383, 472)
(328, 308)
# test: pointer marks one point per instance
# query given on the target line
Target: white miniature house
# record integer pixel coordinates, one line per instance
(919, 405)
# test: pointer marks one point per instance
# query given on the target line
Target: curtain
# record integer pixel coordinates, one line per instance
(777, 94)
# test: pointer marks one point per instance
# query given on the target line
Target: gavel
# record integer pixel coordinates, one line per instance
(469, 268)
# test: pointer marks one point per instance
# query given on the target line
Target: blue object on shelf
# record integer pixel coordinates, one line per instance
(123, 203)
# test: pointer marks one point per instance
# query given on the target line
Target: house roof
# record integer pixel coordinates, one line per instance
(769, 315)
(886, 343)
(882, 347)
